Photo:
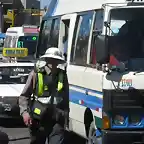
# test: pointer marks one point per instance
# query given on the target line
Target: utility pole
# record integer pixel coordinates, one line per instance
(13, 18)
(32, 20)
(35, 15)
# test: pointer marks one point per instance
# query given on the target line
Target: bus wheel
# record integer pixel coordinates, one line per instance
(92, 139)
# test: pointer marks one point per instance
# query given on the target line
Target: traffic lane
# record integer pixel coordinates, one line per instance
(19, 134)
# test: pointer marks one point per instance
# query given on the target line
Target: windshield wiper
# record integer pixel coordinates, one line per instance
(138, 72)
(24, 60)
(7, 82)
(106, 24)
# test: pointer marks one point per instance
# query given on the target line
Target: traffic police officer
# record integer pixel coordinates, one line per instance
(44, 102)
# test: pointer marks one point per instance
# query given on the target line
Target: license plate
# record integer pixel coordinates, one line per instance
(7, 107)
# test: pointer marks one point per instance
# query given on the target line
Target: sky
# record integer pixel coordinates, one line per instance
(44, 3)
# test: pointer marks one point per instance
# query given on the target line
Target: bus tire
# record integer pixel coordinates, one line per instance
(92, 139)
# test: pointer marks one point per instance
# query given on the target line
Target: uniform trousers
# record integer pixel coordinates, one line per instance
(50, 130)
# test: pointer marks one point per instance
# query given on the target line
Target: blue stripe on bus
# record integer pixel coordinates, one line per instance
(90, 90)
(89, 101)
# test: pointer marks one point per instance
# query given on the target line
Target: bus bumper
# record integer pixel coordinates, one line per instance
(123, 137)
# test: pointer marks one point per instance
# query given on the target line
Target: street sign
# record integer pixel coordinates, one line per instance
(15, 52)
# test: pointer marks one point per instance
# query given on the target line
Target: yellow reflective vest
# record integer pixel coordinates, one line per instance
(42, 87)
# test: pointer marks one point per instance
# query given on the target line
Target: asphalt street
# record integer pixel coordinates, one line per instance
(18, 133)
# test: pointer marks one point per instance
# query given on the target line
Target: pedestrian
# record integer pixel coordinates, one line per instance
(44, 102)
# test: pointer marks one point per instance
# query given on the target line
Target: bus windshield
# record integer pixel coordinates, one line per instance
(1, 44)
(28, 42)
(10, 41)
(126, 42)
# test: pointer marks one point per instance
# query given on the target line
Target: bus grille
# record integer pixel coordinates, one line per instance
(127, 99)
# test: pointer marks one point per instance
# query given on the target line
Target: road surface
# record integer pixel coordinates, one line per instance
(19, 134)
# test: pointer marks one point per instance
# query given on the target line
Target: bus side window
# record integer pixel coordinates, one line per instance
(44, 36)
(65, 37)
(55, 33)
(49, 35)
(81, 39)
(98, 26)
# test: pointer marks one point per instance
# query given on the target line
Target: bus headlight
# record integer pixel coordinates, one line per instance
(134, 119)
(118, 120)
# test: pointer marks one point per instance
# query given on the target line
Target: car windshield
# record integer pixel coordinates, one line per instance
(28, 42)
(126, 37)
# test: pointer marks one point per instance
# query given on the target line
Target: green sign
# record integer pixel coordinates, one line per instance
(20, 44)
(34, 38)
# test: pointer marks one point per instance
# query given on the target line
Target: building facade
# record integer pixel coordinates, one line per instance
(21, 14)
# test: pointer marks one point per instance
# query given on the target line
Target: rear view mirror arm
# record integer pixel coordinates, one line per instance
(96, 33)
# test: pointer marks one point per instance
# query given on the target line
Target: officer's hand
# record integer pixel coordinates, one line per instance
(27, 119)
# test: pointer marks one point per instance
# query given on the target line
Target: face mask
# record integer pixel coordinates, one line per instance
(50, 66)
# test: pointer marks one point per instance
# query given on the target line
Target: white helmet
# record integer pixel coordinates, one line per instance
(54, 53)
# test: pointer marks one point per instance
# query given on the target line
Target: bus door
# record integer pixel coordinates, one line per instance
(66, 31)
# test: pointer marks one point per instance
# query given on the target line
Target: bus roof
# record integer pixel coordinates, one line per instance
(21, 31)
(61, 7)
(14, 31)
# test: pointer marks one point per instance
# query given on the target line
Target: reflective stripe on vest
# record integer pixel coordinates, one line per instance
(60, 82)
(41, 86)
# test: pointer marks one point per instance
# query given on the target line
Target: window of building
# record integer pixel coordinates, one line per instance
(98, 26)
(49, 35)
(81, 39)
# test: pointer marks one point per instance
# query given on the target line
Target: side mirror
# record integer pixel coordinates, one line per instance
(101, 45)
(106, 24)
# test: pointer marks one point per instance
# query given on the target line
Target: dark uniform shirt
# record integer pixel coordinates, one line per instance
(28, 91)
